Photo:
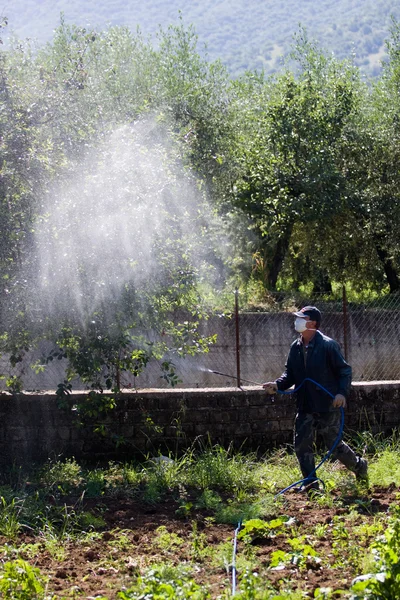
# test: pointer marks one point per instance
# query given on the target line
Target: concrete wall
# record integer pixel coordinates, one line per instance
(33, 428)
(373, 340)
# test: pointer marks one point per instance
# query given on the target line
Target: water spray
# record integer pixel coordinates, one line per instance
(233, 377)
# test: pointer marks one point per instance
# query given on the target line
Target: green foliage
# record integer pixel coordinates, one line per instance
(52, 507)
(62, 477)
(293, 175)
(385, 581)
(20, 581)
(77, 90)
(14, 384)
(299, 170)
(222, 469)
(165, 540)
(252, 587)
(302, 555)
(165, 582)
(257, 529)
(10, 517)
(63, 392)
(89, 522)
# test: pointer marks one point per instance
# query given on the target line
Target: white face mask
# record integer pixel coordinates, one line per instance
(300, 324)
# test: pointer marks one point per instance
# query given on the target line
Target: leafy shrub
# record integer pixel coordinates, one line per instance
(385, 582)
(165, 583)
(20, 581)
(62, 477)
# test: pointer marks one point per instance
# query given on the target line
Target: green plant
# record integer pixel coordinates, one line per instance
(10, 517)
(152, 492)
(63, 392)
(20, 581)
(184, 510)
(254, 530)
(165, 583)
(62, 476)
(14, 384)
(384, 582)
(53, 545)
(219, 468)
(320, 530)
(252, 587)
(385, 469)
(169, 373)
(165, 540)
(209, 499)
(88, 521)
(95, 483)
(303, 555)
(198, 543)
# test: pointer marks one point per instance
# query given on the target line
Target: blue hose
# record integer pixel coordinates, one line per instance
(311, 477)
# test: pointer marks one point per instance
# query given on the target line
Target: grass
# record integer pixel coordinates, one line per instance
(62, 507)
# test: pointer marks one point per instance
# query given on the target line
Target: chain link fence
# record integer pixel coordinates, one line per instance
(252, 347)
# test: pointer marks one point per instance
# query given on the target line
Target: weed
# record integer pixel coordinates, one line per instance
(120, 540)
(55, 548)
(253, 587)
(320, 530)
(61, 477)
(385, 469)
(234, 511)
(209, 500)
(88, 521)
(198, 543)
(165, 583)
(302, 555)
(152, 492)
(256, 529)
(20, 581)
(184, 510)
(385, 581)
(220, 469)
(10, 524)
(95, 483)
(131, 476)
(167, 541)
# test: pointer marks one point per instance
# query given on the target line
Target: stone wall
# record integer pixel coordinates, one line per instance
(35, 429)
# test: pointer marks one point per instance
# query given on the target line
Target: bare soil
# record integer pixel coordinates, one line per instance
(126, 546)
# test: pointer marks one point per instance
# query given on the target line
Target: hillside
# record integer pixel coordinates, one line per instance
(243, 34)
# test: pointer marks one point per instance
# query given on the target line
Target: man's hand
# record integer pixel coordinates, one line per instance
(339, 401)
(270, 387)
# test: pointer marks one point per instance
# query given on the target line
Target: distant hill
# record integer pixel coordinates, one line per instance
(243, 34)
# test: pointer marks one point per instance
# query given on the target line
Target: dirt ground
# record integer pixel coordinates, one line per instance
(125, 546)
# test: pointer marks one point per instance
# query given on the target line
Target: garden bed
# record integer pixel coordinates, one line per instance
(124, 532)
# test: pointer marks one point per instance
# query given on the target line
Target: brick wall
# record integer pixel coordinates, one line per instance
(33, 428)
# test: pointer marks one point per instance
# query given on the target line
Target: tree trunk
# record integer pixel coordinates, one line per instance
(322, 283)
(389, 268)
(275, 261)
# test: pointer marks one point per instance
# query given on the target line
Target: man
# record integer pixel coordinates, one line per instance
(316, 356)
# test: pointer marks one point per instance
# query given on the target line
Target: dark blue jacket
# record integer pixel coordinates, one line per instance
(324, 363)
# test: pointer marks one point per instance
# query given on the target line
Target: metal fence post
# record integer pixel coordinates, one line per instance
(237, 337)
(344, 304)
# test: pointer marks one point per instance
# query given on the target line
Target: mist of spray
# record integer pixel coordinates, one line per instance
(129, 210)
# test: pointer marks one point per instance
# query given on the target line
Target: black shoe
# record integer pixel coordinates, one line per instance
(311, 488)
(361, 470)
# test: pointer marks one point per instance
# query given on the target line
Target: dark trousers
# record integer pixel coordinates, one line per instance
(328, 426)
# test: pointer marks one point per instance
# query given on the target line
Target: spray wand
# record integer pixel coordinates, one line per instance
(233, 377)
